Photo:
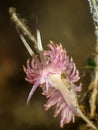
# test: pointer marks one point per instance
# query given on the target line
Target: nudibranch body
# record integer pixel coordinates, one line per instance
(56, 74)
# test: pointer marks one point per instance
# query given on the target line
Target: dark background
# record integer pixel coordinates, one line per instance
(63, 21)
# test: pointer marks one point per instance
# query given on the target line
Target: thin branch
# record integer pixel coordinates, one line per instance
(20, 24)
(94, 85)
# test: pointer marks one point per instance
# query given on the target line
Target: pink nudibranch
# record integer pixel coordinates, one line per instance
(56, 74)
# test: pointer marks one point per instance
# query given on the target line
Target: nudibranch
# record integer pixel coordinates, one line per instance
(56, 74)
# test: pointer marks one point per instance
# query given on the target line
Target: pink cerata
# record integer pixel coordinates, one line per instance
(56, 74)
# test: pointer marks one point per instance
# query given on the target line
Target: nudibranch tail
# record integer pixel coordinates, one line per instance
(65, 98)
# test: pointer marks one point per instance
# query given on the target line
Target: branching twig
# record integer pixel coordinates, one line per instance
(94, 84)
(20, 24)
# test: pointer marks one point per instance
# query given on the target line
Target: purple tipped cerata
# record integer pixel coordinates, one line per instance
(56, 74)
